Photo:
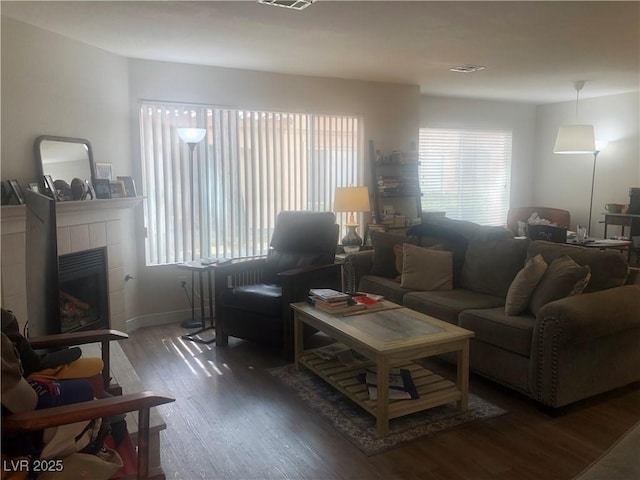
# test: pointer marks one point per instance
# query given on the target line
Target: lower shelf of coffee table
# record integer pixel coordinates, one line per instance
(433, 389)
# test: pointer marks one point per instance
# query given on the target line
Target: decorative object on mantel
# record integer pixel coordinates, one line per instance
(62, 159)
(63, 190)
(117, 189)
(16, 191)
(573, 139)
(129, 186)
(102, 187)
(81, 189)
(50, 188)
(103, 171)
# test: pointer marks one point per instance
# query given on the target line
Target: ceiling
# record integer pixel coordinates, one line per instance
(533, 51)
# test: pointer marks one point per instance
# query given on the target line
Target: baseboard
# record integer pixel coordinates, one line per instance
(157, 319)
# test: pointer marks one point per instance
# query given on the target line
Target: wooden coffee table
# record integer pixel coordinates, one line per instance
(387, 339)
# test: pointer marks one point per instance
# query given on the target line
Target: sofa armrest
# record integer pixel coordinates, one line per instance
(585, 345)
(356, 266)
(582, 318)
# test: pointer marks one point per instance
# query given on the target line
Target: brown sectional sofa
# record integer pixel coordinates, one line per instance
(574, 348)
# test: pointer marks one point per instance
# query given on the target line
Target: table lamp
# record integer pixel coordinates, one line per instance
(352, 200)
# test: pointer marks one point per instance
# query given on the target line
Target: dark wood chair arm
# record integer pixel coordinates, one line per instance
(78, 412)
(75, 338)
(81, 338)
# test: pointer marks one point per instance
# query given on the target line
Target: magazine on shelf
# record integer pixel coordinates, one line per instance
(338, 351)
(401, 386)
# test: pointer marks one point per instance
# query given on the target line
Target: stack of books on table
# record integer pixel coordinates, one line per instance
(333, 301)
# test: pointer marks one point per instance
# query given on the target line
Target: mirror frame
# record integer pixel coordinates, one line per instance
(36, 146)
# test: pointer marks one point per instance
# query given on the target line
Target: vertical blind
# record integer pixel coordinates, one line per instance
(466, 173)
(250, 166)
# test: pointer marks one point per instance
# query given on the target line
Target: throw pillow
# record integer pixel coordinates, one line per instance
(563, 278)
(384, 259)
(524, 284)
(426, 269)
(399, 249)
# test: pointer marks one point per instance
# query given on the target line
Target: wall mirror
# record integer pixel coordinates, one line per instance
(64, 158)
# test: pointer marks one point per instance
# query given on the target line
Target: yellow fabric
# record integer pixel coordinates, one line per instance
(81, 368)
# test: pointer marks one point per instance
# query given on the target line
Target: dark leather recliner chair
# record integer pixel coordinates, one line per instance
(252, 295)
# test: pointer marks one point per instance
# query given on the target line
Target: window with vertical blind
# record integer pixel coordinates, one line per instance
(250, 166)
(466, 173)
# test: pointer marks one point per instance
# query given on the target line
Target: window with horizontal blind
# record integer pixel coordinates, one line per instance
(466, 173)
(250, 166)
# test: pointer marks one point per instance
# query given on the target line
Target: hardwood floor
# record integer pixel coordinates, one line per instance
(232, 420)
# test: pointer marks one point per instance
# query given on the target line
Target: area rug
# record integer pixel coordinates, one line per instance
(359, 427)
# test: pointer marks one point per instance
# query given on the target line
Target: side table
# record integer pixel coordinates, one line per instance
(196, 266)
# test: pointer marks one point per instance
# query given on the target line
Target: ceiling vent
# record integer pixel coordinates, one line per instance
(292, 4)
(467, 68)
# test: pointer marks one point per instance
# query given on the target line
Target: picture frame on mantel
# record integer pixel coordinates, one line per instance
(17, 191)
(103, 171)
(117, 189)
(102, 187)
(129, 186)
(50, 188)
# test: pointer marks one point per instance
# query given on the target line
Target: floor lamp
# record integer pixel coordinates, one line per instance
(192, 137)
(574, 139)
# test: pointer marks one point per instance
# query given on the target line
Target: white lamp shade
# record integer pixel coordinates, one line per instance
(575, 139)
(191, 135)
(351, 199)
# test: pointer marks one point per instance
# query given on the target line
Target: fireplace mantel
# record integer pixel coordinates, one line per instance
(70, 212)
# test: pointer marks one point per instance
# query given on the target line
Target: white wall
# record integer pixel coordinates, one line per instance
(444, 112)
(564, 181)
(52, 85)
(390, 113)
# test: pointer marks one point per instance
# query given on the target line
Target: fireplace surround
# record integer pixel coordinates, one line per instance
(82, 225)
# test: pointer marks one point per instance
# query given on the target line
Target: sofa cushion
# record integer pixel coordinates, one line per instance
(491, 266)
(524, 284)
(563, 278)
(388, 287)
(384, 258)
(426, 268)
(398, 250)
(447, 304)
(495, 327)
(609, 268)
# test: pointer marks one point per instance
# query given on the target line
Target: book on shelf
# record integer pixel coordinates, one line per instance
(401, 385)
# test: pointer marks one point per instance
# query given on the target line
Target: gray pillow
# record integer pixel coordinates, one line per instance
(524, 284)
(563, 278)
(426, 269)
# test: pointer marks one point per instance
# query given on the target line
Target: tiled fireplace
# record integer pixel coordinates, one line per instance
(82, 226)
